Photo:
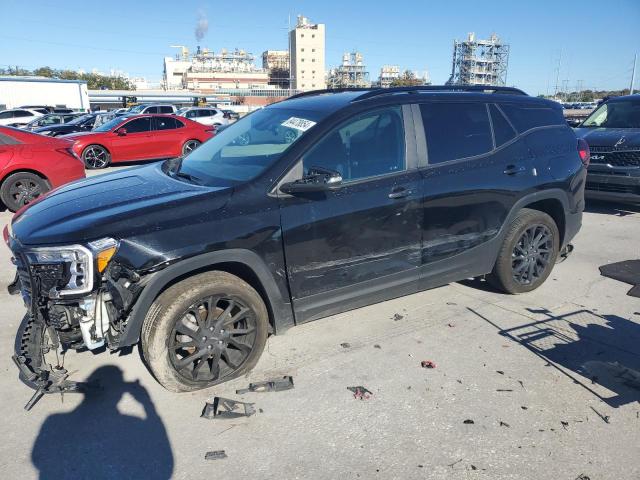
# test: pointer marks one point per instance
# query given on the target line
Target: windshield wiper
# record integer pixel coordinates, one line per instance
(188, 177)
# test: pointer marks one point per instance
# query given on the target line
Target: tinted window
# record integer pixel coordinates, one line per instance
(502, 130)
(166, 123)
(6, 115)
(7, 140)
(525, 117)
(191, 114)
(138, 125)
(456, 130)
(22, 113)
(368, 145)
(165, 109)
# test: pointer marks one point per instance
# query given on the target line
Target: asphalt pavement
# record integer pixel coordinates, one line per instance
(538, 386)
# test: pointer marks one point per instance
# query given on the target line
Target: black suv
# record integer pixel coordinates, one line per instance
(382, 193)
(613, 134)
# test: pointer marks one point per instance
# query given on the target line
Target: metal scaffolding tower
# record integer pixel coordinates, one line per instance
(351, 74)
(479, 62)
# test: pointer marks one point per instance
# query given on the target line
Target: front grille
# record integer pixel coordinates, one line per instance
(613, 188)
(615, 156)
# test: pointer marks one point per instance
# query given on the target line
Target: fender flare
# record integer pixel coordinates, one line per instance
(279, 307)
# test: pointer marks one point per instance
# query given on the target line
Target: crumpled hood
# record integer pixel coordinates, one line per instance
(119, 205)
(622, 138)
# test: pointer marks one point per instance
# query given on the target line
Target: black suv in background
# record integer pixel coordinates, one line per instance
(613, 134)
(381, 193)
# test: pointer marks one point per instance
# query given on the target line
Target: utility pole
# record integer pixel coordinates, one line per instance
(555, 93)
(633, 74)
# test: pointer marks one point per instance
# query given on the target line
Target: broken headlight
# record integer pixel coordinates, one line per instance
(69, 270)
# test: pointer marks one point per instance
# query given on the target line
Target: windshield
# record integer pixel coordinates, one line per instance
(620, 114)
(137, 108)
(111, 124)
(81, 119)
(245, 149)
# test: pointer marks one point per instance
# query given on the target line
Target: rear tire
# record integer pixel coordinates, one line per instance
(21, 188)
(189, 146)
(528, 253)
(203, 331)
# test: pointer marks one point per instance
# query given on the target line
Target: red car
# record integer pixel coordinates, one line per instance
(32, 164)
(139, 137)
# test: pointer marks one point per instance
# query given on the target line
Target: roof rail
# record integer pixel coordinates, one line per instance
(439, 88)
(328, 90)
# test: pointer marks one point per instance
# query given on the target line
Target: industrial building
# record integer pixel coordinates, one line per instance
(352, 73)
(479, 62)
(307, 47)
(388, 74)
(276, 63)
(207, 71)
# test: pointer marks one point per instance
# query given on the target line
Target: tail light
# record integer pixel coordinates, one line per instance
(67, 151)
(583, 151)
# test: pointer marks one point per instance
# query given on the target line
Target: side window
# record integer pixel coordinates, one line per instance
(502, 129)
(203, 113)
(526, 117)
(22, 113)
(456, 130)
(191, 114)
(166, 109)
(151, 110)
(4, 115)
(368, 145)
(165, 123)
(138, 125)
(51, 120)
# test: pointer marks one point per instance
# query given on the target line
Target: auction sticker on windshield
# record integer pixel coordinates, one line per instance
(298, 123)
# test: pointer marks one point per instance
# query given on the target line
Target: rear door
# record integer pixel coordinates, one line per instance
(167, 137)
(474, 170)
(136, 144)
(361, 242)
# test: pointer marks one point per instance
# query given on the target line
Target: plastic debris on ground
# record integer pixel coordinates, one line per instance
(427, 364)
(227, 408)
(360, 392)
(215, 455)
(275, 385)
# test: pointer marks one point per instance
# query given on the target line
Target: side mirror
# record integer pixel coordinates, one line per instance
(121, 132)
(317, 180)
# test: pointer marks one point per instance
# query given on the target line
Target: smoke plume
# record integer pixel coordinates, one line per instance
(202, 26)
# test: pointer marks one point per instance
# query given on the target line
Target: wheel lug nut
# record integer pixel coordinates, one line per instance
(211, 329)
(209, 347)
(204, 339)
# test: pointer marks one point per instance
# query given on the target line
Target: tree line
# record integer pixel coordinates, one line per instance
(586, 95)
(95, 81)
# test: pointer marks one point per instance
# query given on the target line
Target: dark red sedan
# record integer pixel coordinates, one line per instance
(139, 137)
(32, 164)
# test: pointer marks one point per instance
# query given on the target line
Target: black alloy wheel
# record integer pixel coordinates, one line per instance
(96, 156)
(532, 254)
(212, 339)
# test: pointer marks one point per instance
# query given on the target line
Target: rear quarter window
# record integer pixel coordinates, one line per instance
(526, 117)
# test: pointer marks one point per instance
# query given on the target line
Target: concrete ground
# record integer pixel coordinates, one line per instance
(546, 379)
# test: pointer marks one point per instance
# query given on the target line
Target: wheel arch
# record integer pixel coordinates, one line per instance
(95, 144)
(244, 264)
(5, 175)
(554, 208)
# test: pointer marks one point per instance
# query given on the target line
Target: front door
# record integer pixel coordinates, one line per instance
(350, 246)
(136, 144)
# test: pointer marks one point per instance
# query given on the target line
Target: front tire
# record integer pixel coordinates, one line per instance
(21, 188)
(95, 157)
(203, 331)
(528, 253)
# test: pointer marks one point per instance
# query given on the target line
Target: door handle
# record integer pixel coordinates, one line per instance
(399, 192)
(514, 169)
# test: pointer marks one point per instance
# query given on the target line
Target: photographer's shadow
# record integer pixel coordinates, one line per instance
(96, 441)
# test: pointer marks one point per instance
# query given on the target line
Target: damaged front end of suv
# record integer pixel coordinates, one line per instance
(77, 297)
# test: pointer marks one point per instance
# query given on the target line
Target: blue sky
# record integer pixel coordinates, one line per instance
(597, 39)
